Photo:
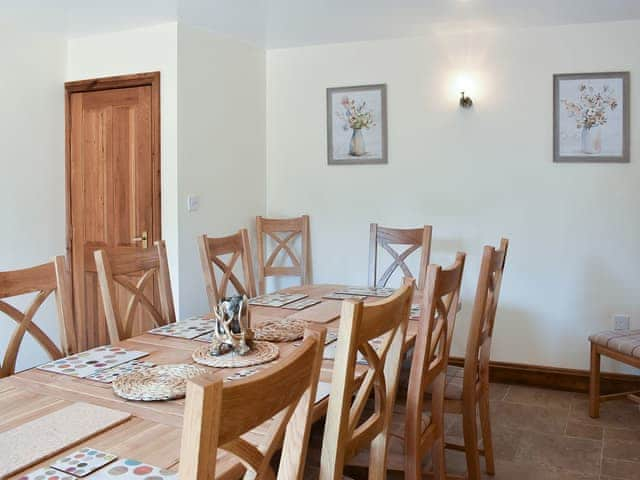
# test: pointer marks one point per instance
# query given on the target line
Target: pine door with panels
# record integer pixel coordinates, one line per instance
(113, 187)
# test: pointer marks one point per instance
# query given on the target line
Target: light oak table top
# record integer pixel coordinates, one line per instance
(152, 435)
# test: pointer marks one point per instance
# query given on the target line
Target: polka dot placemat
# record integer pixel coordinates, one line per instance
(261, 352)
(164, 382)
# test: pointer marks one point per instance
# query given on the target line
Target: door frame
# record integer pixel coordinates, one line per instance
(151, 79)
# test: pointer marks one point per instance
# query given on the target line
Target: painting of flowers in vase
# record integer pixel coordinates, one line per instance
(357, 125)
(591, 117)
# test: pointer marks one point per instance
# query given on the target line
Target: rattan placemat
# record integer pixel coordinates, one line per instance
(280, 330)
(42, 438)
(164, 382)
(261, 352)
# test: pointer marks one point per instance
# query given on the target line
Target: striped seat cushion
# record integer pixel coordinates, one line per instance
(625, 342)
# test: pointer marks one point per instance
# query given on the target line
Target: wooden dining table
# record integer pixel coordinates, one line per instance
(152, 433)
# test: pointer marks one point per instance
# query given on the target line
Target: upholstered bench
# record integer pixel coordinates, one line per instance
(623, 346)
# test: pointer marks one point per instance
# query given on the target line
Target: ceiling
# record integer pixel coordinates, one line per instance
(287, 23)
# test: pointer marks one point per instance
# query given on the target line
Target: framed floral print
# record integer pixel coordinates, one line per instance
(357, 125)
(591, 117)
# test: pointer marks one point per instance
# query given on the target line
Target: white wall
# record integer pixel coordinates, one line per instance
(136, 51)
(475, 175)
(213, 133)
(32, 215)
(221, 115)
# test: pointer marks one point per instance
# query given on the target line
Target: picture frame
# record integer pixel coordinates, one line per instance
(591, 118)
(357, 125)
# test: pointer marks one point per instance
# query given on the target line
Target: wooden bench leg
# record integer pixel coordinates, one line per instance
(594, 383)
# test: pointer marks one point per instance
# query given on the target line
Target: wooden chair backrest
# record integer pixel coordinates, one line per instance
(284, 232)
(433, 343)
(215, 416)
(211, 249)
(412, 238)
(41, 280)
(346, 432)
(116, 266)
(485, 305)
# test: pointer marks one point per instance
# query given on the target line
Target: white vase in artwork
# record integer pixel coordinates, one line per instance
(356, 146)
(591, 140)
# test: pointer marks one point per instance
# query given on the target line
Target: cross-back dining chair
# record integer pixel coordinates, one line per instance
(471, 399)
(415, 433)
(216, 417)
(43, 280)
(350, 427)
(284, 232)
(211, 252)
(384, 239)
(429, 368)
(133, 270)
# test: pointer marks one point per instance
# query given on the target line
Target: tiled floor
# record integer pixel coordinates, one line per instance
(548, 435)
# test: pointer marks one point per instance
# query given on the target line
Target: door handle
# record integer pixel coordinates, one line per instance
(142, 238)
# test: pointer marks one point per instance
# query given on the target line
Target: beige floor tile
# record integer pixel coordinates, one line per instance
(540, 397)
(621, 469)
(631, 435)
(583, 430)
(622, 450)
(560, 453)
(528, 417)
(518, 471)
(614, 414)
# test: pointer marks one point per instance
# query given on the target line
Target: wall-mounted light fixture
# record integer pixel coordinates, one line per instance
(465, 102)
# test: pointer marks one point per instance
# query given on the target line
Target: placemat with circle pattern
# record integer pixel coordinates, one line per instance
(261, 352)
(280, 330)
(164, 382)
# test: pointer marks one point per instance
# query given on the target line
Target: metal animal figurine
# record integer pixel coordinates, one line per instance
(232, 333)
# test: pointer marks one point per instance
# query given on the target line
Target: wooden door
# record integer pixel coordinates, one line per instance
(113, 184)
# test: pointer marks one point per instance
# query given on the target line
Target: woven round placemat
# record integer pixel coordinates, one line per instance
(164, 382)
(280, 330)
(261, 352)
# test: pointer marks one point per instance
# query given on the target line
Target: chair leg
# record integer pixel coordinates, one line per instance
(594, 383)
(378, 456)
(487, 440)
(437, 455)
(470, 434)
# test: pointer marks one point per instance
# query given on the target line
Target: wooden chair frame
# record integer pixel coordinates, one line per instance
(429, 367)
(594, 378)
(283, 232)
(346, 432)
(114, 266)
(475, 382)
(210, 251)
(43, 280)
(413, 238)
(216, 417)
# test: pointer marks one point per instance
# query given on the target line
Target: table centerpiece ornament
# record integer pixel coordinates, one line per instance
(233, 341)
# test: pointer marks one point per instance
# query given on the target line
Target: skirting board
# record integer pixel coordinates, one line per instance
(556, 378)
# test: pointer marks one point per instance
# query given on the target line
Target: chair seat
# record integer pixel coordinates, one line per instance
(453, 384)
(625, 342)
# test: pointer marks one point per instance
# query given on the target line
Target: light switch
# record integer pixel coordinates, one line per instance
(193, 203)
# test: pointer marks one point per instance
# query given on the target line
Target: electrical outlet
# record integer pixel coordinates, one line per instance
(621, 322)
